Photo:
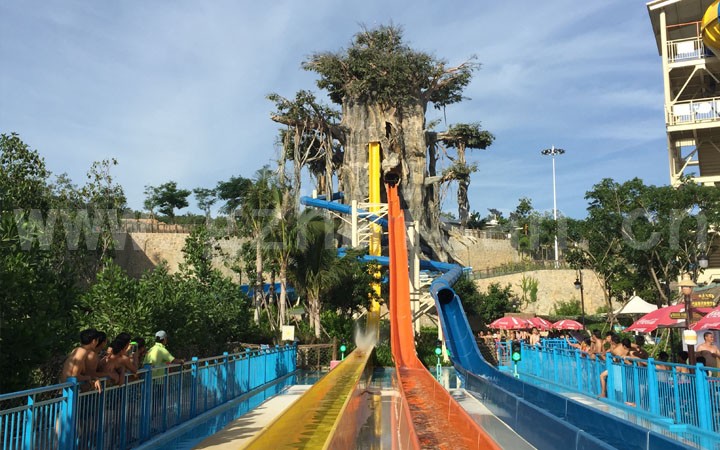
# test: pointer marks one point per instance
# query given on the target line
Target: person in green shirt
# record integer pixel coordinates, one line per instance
(159, 356)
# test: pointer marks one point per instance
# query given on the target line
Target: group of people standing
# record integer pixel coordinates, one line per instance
(96, 359)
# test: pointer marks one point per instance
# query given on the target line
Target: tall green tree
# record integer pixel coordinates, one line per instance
(166, 198)
(205, 198)
(232, 192)
(35, 297)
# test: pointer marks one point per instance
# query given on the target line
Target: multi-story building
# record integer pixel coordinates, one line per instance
(691, 82)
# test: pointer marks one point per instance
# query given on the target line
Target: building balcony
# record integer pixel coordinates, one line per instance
(698, 113)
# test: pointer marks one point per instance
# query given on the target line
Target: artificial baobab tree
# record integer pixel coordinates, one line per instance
(383, 88)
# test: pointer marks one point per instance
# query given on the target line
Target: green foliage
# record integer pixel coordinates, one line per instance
(339, 326)
(425, 343)
(567, 308)
(112, 304)
(383, 355)
(200, 316)
(205, 198)
(467, 135)
(487, 306)
(380, 68)
(23, 176)
(352, 290)
(232, 192)
(198, 251)
(529, 287)
(35, 295)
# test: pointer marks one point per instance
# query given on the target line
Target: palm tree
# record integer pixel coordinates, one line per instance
(314, 269)
(256, 213)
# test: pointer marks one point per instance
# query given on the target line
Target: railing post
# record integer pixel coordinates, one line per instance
(28, 428)
(224, 376)
(100, 418)
(266, 356)
(636, 384)
(676, 395)
(205, 385)
(653, 387)
(123, 417)
(703, 399)
(250, 383)
(146, 414)
(610, 380)
(68, 415)
(578, 371)
(556, 373)
(193, 386)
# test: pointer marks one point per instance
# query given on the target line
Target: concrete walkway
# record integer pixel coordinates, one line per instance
(239, 432)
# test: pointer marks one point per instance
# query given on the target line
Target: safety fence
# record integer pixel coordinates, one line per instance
(676, 393)
(69, 416)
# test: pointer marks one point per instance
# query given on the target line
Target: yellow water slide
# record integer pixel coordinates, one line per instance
(711, 28)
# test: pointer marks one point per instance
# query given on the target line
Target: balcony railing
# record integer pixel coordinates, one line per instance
(694, 111)
(688, 49)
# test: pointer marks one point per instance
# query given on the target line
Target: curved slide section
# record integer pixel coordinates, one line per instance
(711, 27)
(439, 422)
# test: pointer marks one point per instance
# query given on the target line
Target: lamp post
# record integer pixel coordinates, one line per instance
(579, 285)
(552, 151)
(686, 287)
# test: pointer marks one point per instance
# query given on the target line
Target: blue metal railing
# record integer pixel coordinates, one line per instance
(119, 417)
(681, 394)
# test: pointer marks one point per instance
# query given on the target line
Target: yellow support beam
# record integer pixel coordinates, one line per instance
(374, 200)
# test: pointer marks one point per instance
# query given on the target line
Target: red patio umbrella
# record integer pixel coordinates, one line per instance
(510, 323)
(567, 324)
(710, 322)
(660, 318)
(540, 323)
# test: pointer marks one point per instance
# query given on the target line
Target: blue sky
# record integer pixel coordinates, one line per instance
(175, 90)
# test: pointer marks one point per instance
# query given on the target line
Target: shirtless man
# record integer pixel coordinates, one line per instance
(117, 362)
(637, 350)
(599, 345)
(94, 357)
(709, 345)
(621, 349)
(75, 364)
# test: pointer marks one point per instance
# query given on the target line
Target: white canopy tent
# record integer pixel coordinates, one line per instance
(636, 305)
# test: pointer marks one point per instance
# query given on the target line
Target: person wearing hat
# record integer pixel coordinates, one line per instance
(158, 355)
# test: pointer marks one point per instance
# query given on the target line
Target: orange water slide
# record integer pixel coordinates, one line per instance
(439, 422)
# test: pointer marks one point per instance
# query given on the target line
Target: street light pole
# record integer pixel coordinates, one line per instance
(579, 285)
(552, 151)
(686, 287)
